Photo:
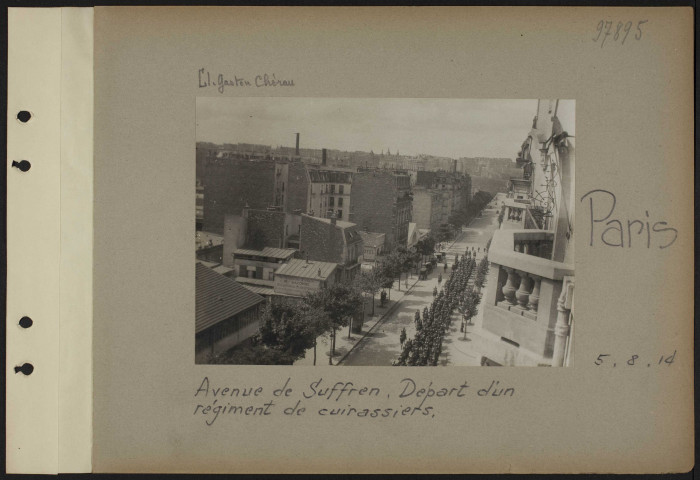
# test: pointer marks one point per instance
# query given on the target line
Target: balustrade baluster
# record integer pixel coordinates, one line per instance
(535, 295)
(510, 286)
(522, 295)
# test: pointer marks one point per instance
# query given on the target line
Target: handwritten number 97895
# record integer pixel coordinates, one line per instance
(619, 32)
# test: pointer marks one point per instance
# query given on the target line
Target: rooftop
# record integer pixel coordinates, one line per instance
(279, 253)
(218, 298)
(307, 269)
(340, 223)
(330, 176)
(202, 239)
(372, 239)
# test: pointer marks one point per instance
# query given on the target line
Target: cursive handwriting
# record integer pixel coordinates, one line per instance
(615, 232)
(220, 82)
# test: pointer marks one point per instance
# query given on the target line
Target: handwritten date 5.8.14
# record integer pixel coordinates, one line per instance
(619, 32)
(608, 360)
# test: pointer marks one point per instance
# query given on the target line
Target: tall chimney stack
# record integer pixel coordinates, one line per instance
(296, 152)
(324, 152)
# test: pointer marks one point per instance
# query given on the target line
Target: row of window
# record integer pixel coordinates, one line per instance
(252, 272)
(332, 188)
(331, 201)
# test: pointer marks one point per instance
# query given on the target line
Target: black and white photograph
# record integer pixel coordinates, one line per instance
(384, 232)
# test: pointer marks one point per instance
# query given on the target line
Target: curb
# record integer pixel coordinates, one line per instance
(381, 320)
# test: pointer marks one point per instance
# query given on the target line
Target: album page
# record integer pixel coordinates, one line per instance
(295, 209)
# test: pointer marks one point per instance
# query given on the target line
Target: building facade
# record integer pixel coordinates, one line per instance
(453, 190)
(329, 193)
(427, 208)
(235, 182)
(529, 301)
(226, 313)
(258, 267)
(382, 203)
(332, 241)
(257, 229)
(297, 278)
(372, 246)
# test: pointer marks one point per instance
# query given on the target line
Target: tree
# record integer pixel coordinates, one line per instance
(393, 264)
(369, 282)
(289, 329)
(339, 302)
(387, 271)
(426, 246)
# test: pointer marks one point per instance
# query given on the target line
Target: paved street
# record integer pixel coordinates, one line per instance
(381, 345)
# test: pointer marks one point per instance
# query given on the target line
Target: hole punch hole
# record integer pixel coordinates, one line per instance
(26, 322)
(23, 165)
(26, 369)
(24, 116)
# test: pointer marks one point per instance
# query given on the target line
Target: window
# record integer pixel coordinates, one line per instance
(340, 214)
(271, 276)
(340, 201)
(332, 188)
(331, 201)
(341, 188)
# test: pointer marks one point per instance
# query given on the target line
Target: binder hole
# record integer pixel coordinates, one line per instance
(24, 116)
(26, 369)
(23, 165)
(25, 322)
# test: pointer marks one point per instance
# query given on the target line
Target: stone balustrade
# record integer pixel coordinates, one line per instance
(524, 287)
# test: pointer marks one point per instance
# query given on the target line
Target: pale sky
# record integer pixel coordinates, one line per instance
(441, 127)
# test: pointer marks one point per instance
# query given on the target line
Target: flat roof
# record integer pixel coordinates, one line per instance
(281, 253)
(218, 298)
(339, 223)
(303, 269)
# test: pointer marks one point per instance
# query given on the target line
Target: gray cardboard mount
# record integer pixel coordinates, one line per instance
(634, 130)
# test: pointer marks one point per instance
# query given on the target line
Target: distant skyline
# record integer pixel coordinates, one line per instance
(441, 127)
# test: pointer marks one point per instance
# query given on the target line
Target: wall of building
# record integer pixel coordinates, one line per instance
(426, 208)
(234, 236)
(378, 205)
(266, 228)
(297, 188)
(227, 334)
(298, 286)
(230, 184)
(321, 241)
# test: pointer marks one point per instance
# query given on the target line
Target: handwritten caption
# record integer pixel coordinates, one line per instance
(607, 228)
(220, 81)
(332, 399)
(619, 32)
(608, 360)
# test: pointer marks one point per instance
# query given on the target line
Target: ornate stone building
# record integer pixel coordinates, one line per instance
(529, 301)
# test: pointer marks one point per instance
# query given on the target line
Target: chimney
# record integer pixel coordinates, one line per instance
(296, 152)
(323, 157)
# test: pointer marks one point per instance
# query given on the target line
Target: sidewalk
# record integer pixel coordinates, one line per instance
(380, 345)
(343, 344)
